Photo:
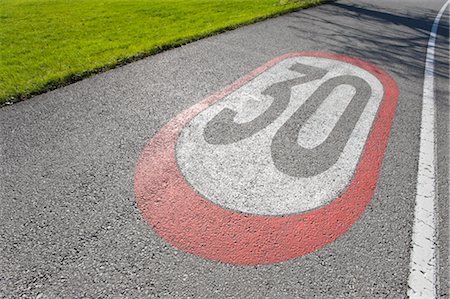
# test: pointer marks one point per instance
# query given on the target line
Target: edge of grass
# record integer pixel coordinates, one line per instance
(75, 77)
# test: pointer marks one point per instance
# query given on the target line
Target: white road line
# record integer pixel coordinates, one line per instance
(422, 276)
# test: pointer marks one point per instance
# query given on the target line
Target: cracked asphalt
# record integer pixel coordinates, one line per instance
(69, 223)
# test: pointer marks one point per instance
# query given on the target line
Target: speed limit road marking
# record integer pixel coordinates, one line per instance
(273, 167)
(253, 154)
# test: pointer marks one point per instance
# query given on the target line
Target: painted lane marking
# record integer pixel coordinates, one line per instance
(192, 223)
(422, 277)
(242, 176)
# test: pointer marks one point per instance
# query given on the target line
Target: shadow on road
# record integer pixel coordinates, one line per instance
(400, 51)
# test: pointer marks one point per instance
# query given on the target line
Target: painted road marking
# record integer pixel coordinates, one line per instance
(193, 223)
(243, 176)
(422, 277)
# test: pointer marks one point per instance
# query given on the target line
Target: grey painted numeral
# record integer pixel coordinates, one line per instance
(288, 156)
(294, 160)
(223, 130)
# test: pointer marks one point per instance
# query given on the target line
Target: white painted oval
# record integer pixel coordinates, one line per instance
(242, 177)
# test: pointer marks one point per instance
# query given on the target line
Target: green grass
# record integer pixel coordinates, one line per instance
(48, 43)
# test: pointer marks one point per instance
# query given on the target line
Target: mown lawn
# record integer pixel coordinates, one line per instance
(48, 43)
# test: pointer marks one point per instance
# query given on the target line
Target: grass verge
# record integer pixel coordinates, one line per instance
(45, 44)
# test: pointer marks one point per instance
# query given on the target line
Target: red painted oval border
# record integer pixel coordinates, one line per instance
(195, 225)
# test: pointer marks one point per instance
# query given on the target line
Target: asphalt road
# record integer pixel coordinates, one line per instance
(75, 221)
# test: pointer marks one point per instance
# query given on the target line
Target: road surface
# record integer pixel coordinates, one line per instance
(303, 156)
